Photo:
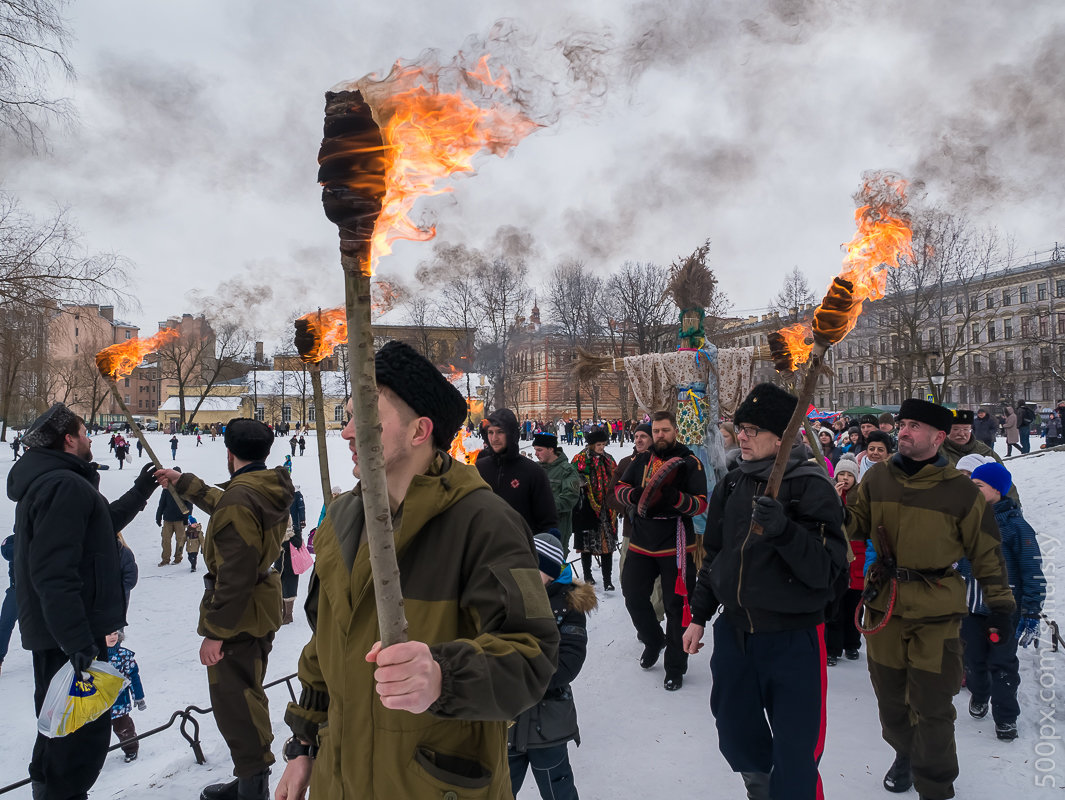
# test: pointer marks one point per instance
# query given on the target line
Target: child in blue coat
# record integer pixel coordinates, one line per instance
(992, 672)
(121, 722)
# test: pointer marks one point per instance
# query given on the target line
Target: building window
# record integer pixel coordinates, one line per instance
(1007, 329)
(1048, 391)
(127, 399)
(140, 404)
(991, 334)
(976, 334)
(989, 301)
(1026, 359)
(948, 394)
(1009, 362)
(861, 377)
(286, 413)
(338, 413)
(1044, 327)
(1044, 357)
(75, 330)
(1041, 291)
(1061, 324)
(129, 334)
(260, 412)
(958, 306)
(978, 366)
(978, 394)
(964, 394)
(127, 383)
(961, 365)
(1006, 297)
(1059, 289)
(1026, 326)
(974, 303)
(992, 362)
(961, 334)
(310, 413)
(1024, 294)
(1027, 391)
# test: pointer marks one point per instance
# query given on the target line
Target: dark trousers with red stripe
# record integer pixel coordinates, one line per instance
(768, 698)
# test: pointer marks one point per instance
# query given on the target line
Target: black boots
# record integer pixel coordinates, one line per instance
(256, 787)
(900, 777)
(651, 654)
(757, 784)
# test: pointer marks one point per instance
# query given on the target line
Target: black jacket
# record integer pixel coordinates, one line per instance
(772, 583)
(657, 534)
(985, 429)
(553, 720)
(68, 580)
(519, 481)
(168, 510)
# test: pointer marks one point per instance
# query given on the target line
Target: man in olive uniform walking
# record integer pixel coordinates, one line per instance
(241, 607)
(924, 516)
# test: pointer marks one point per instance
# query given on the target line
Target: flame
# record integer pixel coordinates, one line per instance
(795, 342)
(455, 376)
(119, 360)
(458, 449)
(327, 329)
(430, 135)
(883, 236)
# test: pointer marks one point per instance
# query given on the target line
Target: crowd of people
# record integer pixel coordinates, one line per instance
(903, 533)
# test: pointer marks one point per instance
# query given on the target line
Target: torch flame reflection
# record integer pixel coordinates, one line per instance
(119, 360)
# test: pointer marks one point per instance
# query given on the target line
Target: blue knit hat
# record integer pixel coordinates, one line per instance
(994, 475)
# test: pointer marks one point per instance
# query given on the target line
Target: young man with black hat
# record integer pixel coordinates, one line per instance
(774, 585)
(666, 487)
(426, 718)
(512, 476)
(241, 607)
(923, 516)
(68, 581)
(563, 479)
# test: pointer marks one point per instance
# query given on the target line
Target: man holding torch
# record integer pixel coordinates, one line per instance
(923, 516)
(769, 646)
(425, 718)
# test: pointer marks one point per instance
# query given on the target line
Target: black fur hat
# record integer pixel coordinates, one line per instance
(597, 435)
(545, 440)
(422, 387)
(929, 413)
(767, 406)
(248, 439)
(51, 426)
(963, 416)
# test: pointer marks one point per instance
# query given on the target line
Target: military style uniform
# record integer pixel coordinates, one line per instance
(955, 452)
(929, 520)
(242, 602)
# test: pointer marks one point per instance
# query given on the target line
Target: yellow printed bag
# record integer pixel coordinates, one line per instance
(73, 701)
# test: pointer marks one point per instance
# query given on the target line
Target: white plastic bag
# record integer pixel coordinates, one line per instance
(72, 702)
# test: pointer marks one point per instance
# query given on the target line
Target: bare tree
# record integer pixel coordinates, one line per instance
(42, 263)
(576, 301)
(452, 277)
(22, 359)
(227, 359)
(637, 293)
(503, 293)
(33, 38)
(793, 295)
(419, 311)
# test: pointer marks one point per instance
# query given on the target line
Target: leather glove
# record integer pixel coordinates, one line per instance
(769, 513)
(296, 540)
(998, 627)
(145, 482)
(83, 658)
(141, 705)
(1027, 630)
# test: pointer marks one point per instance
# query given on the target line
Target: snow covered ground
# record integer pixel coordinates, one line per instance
(639, 741)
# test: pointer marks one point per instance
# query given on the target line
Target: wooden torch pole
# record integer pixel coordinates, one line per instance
(319, 432)
(133, 426)
(391, 616)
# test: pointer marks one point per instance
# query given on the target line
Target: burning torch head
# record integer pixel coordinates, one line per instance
(319, 333)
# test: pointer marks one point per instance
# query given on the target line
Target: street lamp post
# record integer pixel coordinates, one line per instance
(937, 386)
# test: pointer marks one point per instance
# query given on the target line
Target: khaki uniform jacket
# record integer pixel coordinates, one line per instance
(955, 452)
(932, 520)
(566, 489)
(472, 592)
(249, 515)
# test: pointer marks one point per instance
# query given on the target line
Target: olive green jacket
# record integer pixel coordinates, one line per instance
(955, 452)
(249, 515)
(566, 489)
(931, 520)
(472, 591)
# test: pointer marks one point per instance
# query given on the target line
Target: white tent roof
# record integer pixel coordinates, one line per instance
(209, 404)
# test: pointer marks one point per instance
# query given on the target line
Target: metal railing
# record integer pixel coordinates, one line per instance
(189, 728)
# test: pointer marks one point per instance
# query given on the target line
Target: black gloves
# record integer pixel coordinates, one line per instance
(635, 495)
(145, 482)
(670, 497)
(297, 540)
(769, 513)
(1000, 627)
(83, 658)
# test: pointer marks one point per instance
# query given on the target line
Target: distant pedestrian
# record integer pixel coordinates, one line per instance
(293, 443)
(121, 449)
(9, 611)
(173, 448)
(15, 444)
(303, 444)
(193, 540)
(199, 439)
(140, 449)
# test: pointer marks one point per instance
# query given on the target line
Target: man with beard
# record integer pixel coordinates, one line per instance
(924, 517)
(564, 481)
(667, 487)
(241, 607)
(512, 476)
(768, 664)
(426, 718)
(68, 581)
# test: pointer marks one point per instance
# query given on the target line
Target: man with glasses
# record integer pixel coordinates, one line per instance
(961, 442)
(666, 487)
(774, 564)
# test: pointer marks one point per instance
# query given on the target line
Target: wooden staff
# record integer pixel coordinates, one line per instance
(809, 385)
(319, 432)
(147, 447)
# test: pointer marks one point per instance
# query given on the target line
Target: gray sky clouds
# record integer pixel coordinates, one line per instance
(746, 122)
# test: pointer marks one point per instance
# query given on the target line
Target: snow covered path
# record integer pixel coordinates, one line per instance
(639, 741)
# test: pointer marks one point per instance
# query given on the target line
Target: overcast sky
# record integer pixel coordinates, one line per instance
(748, 123)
